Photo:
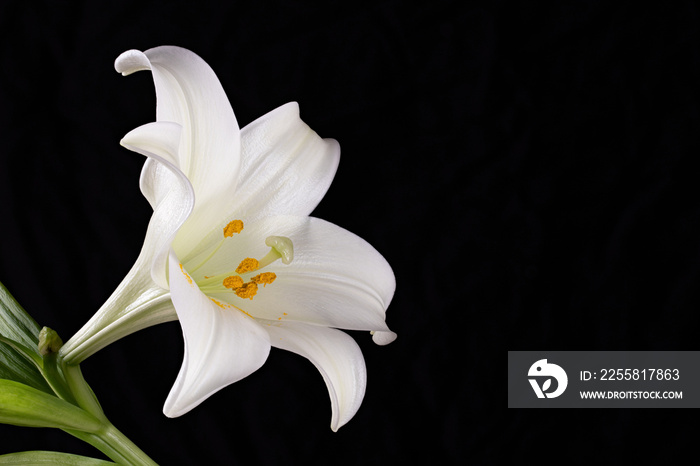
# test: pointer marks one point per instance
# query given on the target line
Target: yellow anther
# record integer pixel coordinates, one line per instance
(234, 226)
(264, 278)
(233, 282)
(247, 265)
(248, 290)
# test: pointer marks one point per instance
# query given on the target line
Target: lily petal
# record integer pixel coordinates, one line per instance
(172, 206)
(336, 355)
(189, 93)
(336, 279)
(138, 302)
(286, 168)
(222, 344)
(383, 338)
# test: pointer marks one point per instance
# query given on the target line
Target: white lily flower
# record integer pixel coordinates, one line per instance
(231, 250)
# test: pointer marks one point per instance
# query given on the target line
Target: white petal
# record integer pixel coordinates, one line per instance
(190, 94)
(335, 280)
(132, 61)
(155, 181)
(383, 338)
(338, 358)
(173, 197)
(222, 344)
(286, 168)
(137, 303)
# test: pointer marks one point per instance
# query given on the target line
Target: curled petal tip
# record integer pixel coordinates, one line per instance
(160, 139)
(131, 61)
(383, 338)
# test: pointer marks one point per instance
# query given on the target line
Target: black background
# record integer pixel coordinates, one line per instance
(529, 172)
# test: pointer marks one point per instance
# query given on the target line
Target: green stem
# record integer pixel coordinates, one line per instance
(109, 440)
(114, 438)
(55, 378)
(115, 445)
(82, 392)
(100, 444)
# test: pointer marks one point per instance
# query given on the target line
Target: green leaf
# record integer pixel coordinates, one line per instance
(20, 358)
(16, 365)
(51, 457)
(22, 405)
(15, 323)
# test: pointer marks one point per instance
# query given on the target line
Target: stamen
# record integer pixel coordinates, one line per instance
(248, 290)
(247, 265)
(234, 226)
(233, 282)
(280, 248)
(265, 278)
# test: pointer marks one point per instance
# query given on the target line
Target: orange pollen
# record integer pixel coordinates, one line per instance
(233, 282)
(247, 291)
(264, 278)
(234, 226)
(247, 265)
(220, 304)
(189, 279)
